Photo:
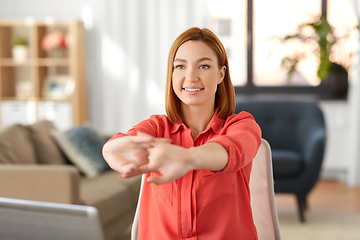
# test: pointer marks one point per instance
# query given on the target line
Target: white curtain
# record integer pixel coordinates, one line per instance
(135, 37)
(354, 112)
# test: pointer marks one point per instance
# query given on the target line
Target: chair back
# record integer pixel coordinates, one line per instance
(285, 124)
(135, 226)
(262, 195)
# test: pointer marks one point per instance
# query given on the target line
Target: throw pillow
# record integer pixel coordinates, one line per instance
(16, 145)
(46, 149)
(82, 145)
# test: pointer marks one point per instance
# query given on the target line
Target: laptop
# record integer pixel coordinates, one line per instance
(35, 220)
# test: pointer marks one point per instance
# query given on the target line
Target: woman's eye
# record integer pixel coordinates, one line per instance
(179, 66)
(204, 66)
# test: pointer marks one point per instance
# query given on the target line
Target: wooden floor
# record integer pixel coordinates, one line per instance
(327, 195)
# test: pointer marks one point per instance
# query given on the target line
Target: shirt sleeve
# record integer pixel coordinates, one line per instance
(152, 126)
(241, 136)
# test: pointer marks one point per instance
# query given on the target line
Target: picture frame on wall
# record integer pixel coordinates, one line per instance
(58, 87)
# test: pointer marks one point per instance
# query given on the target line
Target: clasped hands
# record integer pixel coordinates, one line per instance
(135, 155)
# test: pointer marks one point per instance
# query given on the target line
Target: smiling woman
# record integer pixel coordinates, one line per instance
(189, 154)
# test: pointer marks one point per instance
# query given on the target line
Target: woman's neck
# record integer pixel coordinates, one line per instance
(197, 118)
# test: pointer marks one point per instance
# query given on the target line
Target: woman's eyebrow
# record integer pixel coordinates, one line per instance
(180, 60)
(204, 59)
(199, 60)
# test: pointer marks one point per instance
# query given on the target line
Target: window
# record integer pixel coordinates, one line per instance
(228, 21)
(248, 30)
(342, 16)
(280, 18)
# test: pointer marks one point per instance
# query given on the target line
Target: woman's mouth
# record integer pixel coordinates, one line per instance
(192, 89)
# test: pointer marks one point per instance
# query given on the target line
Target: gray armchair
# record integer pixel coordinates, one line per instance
(296, 133)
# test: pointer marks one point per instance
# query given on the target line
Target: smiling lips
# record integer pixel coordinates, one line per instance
(193, 89)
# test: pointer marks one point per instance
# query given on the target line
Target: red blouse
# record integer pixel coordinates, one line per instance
(202, 204)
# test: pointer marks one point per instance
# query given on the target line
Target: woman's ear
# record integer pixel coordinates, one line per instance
(222, 74)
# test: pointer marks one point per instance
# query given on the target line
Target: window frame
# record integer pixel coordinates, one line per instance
(250, 89)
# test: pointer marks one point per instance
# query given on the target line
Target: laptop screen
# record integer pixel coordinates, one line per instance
(34, 220)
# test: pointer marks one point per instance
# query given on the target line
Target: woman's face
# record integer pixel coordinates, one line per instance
(196, 74)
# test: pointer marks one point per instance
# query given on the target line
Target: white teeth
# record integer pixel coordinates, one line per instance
(192, 89)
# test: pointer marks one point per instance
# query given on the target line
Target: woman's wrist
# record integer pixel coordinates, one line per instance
(210, 156)
(192, 159)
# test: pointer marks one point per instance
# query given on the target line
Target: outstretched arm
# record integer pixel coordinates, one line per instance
(173, 161)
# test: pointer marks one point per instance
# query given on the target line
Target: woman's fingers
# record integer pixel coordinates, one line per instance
(130, 155)
(131, 170)
(138, 170)
(145, 168)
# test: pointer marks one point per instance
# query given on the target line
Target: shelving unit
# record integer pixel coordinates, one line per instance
(25, 85)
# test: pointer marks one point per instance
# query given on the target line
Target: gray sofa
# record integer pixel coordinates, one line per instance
(34, 166)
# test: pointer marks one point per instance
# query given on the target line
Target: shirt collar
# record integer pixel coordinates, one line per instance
(216, 123)
(176, 126)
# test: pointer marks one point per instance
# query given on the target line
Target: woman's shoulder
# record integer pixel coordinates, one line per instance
(239, 116)
(241, 121)
(159, 119)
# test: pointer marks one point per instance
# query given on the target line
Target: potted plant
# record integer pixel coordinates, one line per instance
(20, 49)
(317, 39)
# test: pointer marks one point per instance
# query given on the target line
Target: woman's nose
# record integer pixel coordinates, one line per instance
(191, 75)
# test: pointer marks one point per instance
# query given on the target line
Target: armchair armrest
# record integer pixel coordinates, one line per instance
(313, 155)
(49, 183)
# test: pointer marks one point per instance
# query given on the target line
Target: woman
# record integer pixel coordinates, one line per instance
(198, 157)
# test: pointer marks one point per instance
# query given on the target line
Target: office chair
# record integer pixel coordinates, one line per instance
(262, 195)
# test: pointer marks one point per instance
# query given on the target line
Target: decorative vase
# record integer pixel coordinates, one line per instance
(20, 53)
(337, 81)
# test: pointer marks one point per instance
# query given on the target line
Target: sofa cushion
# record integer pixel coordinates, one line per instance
(46, 149)
(286, 163)
(16, 145)
(82, 145)
(111, 195)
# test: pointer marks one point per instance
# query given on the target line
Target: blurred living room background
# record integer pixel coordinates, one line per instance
(111, 71)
